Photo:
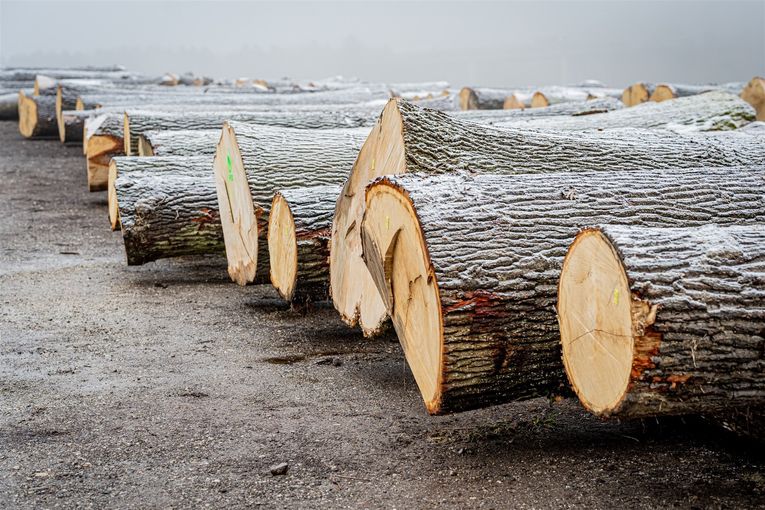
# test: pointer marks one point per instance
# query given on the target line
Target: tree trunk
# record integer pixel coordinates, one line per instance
(410, 139)
(137, 123)
(178, 143)
(562, 110)
(474, 98)
(712, 111)
(469, 266)
(254, 161)
(102, 140)
(665, 91)
(665, 321)
(754, 94)
(299, 226)
(37, 116)
(167, 207)
(518, 100)
(548, 96)
(9, 105)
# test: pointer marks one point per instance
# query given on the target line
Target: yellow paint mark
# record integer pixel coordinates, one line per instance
(387, 223)
(616, 296)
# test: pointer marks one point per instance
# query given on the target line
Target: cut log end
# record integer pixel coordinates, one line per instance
(594, 308)
(467, 99)
(60, 114)
(636, 94)
(663, 93)
(27, 116)
(353, 292)
(754, 94)
(539, 100)
(101, 149)
(114, 210)
(144, 147)
(391, 230)
(282, 248)
(237, 211)
(126, 135)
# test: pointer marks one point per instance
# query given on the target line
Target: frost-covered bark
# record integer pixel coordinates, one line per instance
(496, 244)
(564, 110)
(548, 96)
(701, 348)
(140, 122)
(711, 111)
(9, 106)
(312, 209)
(178, 143)
(426, 141)
(167, 207)
(474, 98)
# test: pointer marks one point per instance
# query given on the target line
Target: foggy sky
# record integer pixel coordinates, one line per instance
(487, 43)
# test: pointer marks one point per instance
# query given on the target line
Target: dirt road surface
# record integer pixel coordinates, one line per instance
(167, 386)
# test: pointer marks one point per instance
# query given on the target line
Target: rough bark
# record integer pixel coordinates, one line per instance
(140, 122)
(711, 111)
(298, 242)
(754, 94)
(410, 139)
(474, 98)
(495, 244)
(9, 106)
(548, 96)
(691, 335)
(252, 162)
(167, 208)
(665, 91)
(184, 142)
(562, 110)
(37, 116)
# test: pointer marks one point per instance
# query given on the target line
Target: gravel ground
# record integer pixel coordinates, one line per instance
(167, 386)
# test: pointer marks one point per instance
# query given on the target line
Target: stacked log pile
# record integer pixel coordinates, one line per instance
(523, 242)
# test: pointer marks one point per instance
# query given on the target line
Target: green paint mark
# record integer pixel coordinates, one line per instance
(230, 170)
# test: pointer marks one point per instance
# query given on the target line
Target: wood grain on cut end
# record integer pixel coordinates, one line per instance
(114, 209)
(404, 276)
(662, 92)
(27, 115)
(282, 247)
(101, 150)
(353, 292)
(539, 100)
(637, 93)
(595, 324)
(754, 94)
(237, 212)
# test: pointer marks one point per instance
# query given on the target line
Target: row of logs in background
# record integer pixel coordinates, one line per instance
(522, 242)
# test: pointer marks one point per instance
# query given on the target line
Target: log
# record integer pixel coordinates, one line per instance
(410, 139)
(474, 98)
(299, 226)
(9, 105)
(102, 141)
(184, 142)
(754, 94)
(665, 91)
(138, 122)
(664, 321)
(637, 93)
(561, 110)
(167, 207)
(547, 96)
(711, 111)
(252, 162)
(468, 266)
(37, 116)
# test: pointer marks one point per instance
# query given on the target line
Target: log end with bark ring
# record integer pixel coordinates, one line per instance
(282, 247)
(754, 94)
(100, 151)
(27, 115)
(636, 94)
(239, 219)
(468, 99)
(391, 230)
(595, 316)
(352, 289)
(662, 93)
(512, 102)
(114, 209)
(539, 100)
